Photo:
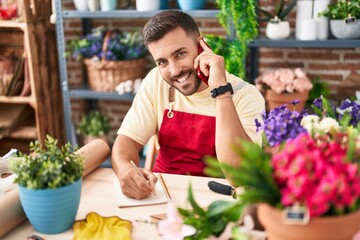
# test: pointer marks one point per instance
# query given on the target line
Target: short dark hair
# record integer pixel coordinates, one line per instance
(162, 23)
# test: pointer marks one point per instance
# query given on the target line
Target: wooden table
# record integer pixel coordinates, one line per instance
(98, 196)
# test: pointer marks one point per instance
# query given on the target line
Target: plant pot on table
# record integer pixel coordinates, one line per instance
(318, 228)
(51, 211)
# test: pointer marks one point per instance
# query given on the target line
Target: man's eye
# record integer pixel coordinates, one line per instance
(180, 54)
(161, 63)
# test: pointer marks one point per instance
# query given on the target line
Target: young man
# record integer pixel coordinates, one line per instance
(192, 119)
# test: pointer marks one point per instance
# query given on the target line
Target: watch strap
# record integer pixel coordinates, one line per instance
(221, 90)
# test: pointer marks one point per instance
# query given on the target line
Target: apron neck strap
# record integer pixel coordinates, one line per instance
(170, 113)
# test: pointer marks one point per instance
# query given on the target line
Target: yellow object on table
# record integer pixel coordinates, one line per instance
(97, 227)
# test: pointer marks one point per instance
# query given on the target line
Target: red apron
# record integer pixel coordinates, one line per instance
(184, 139)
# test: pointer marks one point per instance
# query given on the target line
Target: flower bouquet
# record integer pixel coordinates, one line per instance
(110, 57)
(283, 85)
(307, 172)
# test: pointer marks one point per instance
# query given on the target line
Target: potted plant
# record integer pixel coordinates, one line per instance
(284, 85)
(49, 181)
(305, 180)
(110, 57)
(344, 18)
(93, 124)
(277, 27)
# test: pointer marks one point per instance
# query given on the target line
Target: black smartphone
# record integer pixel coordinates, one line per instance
(200, 74)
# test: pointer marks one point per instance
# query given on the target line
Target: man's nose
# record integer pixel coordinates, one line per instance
(175, 69)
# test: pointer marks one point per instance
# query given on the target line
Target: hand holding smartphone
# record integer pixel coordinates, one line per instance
(200, 74)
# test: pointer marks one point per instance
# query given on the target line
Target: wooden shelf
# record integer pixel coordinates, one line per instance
(12, 24)
(43, 115)
(26, 132)
(18, 100)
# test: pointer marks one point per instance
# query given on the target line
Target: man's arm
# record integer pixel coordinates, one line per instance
(229, 128)
(132, 184)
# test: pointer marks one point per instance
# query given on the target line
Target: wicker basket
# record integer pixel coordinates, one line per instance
(105, 75)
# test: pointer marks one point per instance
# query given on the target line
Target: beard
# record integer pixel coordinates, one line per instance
(186, 89)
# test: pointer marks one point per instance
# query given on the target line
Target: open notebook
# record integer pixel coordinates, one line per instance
(160, 195)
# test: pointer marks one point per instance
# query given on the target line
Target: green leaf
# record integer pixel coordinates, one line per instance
(195, 206)
(229, 210)
(48, 167)
(327, 108)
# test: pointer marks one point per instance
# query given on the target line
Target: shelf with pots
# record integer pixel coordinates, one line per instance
(311, 38)
(86, 16)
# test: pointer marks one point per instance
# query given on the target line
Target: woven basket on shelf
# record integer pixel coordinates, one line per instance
(105, 75)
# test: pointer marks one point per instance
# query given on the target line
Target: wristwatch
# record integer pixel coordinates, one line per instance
(221, 90)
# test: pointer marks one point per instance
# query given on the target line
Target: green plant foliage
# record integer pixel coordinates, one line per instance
(213, 221)
(341, 9)
(49, 167)
(231, 51)
(241, 15)
(254, 175)
(281, 10)
(319, 89)
(94, 123)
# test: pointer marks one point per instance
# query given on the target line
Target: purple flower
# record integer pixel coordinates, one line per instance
(351, 108)
(295, 102)
(280, 125)
(120, 46)
(318, 103)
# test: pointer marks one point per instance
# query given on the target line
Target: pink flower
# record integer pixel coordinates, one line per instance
(286, 75)
(284, 80)
(315, 173)
(172, 227)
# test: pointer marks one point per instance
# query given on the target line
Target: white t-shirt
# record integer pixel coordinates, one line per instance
(144, 118)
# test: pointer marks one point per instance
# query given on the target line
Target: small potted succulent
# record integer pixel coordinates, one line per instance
(93, 124)
(344, 18)
(277, 26)
(49, 181)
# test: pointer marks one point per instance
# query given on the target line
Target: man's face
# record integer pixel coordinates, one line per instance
(174, 54)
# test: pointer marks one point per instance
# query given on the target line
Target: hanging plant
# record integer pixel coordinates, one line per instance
(239, 19)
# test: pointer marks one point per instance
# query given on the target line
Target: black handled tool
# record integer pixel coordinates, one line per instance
(221, 188)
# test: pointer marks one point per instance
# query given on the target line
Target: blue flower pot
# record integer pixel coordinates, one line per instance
(191, 4)
(164, 4)
(51, 211)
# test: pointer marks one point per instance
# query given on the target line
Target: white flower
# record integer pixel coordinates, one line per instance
(310, 122)
(328, 124)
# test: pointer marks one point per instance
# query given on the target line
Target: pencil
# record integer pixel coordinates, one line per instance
(164, 185)
(137, 170)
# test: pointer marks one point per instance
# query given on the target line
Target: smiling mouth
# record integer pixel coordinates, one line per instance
(183, 78)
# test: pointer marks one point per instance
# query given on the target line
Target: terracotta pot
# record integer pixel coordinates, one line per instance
(320, 228)
(274, 100)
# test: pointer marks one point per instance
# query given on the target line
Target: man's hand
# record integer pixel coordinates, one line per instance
(135, 186)
(211, 65)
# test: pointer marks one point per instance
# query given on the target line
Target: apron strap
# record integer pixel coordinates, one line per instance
(170, 113)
